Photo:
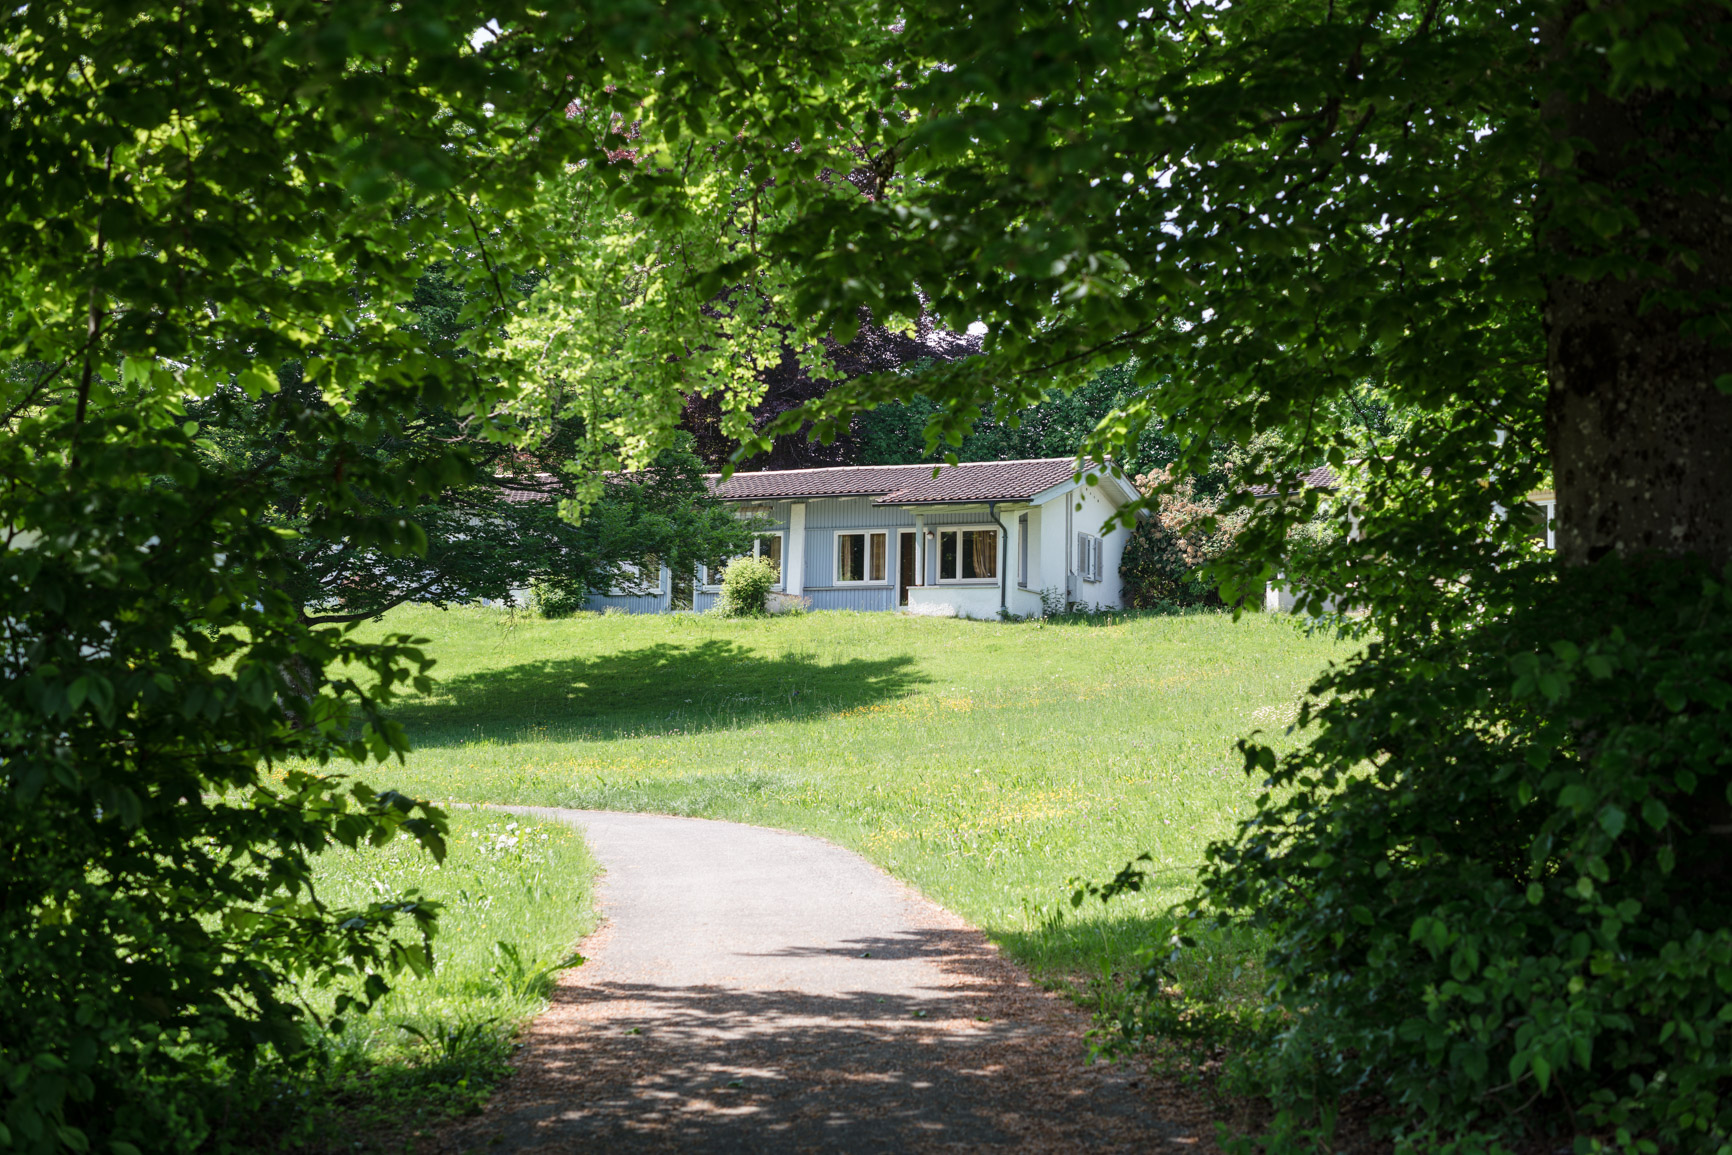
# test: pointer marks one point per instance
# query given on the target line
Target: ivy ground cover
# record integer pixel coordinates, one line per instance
(986, 763)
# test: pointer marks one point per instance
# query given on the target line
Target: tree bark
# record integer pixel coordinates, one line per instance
(1641, 437)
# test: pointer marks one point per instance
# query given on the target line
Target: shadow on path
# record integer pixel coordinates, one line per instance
(760, 991)
(713, 684)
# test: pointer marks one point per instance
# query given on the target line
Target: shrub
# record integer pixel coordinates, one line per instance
(557, 598)
(746, 585)
(1162, 557)
(1556, 956)
(165, 783)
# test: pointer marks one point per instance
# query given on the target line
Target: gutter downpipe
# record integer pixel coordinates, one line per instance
(1004, 556)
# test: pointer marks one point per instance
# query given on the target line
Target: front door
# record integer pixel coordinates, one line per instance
(906, 567)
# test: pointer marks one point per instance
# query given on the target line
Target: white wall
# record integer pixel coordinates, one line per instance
(969, 601)
(1054, 553)
(1093, 515)
(1058, 552)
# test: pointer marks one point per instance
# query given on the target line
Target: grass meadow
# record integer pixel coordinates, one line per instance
(516, 895)
(985, 763)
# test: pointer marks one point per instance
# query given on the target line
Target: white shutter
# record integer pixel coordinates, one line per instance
(1082, 554)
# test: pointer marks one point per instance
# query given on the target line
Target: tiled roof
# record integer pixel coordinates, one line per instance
(1322, 477)
(985, 481)
(836, 481)
(970, 481)
(516, 490)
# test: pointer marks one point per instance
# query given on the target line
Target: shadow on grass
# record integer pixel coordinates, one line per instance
(658, 689)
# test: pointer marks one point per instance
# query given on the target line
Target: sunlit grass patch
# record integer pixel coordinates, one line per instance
(516, 896)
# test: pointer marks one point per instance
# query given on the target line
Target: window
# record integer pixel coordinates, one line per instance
(769, 545)
(966, 555)
(1540, 517)
(1088, 557)
(634, 581)
(861, 557)
(765, 545)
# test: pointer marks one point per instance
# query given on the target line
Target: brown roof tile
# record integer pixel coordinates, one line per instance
(985, 481)
(1320, 478)
(970, 481)
(837, 481)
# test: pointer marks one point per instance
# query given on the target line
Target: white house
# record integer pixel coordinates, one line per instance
(966, 540)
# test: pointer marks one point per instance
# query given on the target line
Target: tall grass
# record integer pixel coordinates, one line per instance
(516, 896)
(985, 763)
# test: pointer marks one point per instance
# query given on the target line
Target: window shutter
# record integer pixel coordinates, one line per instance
(1090, 560)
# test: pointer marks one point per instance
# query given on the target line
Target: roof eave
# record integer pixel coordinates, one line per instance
(800, 496)
(927, 503)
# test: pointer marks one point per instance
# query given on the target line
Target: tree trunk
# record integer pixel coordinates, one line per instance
(1641, 437)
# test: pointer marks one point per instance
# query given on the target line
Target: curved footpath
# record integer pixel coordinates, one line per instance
(754, 990)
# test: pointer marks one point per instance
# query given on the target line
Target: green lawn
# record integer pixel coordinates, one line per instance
(517, 895)
(985, 763)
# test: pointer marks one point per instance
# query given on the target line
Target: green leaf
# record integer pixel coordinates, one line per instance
(256, 382)
(1536, 893)
(1612, 820)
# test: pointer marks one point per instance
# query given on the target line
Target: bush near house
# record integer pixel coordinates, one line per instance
(1162, 558)
(746, 585)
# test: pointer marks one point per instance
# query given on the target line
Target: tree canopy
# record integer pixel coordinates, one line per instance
(1505, 224)
(1494, 874)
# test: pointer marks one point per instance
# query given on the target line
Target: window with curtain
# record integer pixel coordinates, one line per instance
(862, 557)
(967, 555)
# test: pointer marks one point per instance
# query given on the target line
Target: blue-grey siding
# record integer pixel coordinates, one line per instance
(645, 604)
(832, 513)
(872, 598)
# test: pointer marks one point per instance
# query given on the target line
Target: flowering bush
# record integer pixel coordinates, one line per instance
(1165, 551)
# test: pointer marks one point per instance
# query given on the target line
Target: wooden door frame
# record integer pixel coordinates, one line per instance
(905, 580)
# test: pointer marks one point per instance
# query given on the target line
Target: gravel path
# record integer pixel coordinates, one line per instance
(754, 990)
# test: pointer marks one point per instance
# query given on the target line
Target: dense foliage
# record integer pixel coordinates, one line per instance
(490, 517)
(154, 877)
(1166, 557)
(1502, 223)
(197, 194)
(895, 433)
(1565, 930)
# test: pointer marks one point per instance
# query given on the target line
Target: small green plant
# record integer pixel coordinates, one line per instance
(746, 585)
(555, 598)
